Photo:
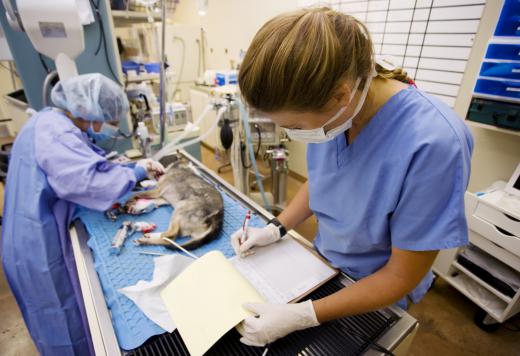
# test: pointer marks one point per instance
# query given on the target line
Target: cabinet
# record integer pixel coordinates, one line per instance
(496, 94)
(494, 229)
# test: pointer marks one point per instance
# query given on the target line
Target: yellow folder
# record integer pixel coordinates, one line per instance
(205, 301)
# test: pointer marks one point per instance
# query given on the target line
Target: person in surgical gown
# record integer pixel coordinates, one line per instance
(54, 167)
(388, 165)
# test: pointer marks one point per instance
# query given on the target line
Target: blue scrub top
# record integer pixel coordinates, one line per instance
(400, 184)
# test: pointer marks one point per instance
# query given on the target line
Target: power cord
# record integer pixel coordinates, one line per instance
(243, 148)
(44, 65)
(259, 132)
(103, 40)
(10, 70)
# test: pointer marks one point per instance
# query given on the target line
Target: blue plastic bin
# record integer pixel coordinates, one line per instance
(153, 67)
(131, 65)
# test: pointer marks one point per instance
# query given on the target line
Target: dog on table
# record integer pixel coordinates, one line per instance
(198, 207)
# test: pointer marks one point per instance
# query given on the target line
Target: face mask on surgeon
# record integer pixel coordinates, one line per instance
(319, 135)
(107, 132)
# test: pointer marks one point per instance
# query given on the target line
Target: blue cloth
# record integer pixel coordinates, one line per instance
(92, 97)
(53, 167)
(400, 184)
(132, 327)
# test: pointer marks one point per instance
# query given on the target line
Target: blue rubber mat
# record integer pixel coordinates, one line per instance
(132, 327)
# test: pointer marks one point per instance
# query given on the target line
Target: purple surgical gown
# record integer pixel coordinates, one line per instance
(53, 167)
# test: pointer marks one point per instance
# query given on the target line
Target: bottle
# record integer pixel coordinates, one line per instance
(142, 131)
(143, 137)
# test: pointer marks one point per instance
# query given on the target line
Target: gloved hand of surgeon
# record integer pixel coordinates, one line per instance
(255, 237)
(273, 321)
(270, 321)
(153, 168)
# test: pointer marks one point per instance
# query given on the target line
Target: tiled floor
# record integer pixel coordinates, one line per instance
(14, 338)
(445, 315)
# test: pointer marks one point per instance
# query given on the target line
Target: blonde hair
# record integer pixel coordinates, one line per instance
(297, 60)
(397, 74)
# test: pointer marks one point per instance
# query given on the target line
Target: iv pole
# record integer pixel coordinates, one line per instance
(162, 75)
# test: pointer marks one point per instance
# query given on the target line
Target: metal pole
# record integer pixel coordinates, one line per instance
(13, 76)
(203, 49)
(163, 76)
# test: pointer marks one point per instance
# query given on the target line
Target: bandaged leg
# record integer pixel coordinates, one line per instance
(156, 238)
(143, 206)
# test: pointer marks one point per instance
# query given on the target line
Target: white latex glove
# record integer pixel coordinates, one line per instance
(255, 237)
(273, 321)
(153, 168)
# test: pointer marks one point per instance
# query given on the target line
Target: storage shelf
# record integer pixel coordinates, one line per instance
(133, 15)
(494, 250)
(495, 97)
(457, 283)
(463, 269)
(142, 77)
(491, 127)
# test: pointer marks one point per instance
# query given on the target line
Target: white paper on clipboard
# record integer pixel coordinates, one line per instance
(284, 271)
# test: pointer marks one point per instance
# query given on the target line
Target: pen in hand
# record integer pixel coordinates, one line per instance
(245, 225)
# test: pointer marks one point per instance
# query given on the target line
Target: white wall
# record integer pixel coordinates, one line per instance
(230, 25)
(495, 157)
(6, 86)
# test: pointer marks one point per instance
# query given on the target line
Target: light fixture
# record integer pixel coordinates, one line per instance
(202, 7)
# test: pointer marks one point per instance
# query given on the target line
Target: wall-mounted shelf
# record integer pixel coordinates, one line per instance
(496, 94)
(132, 16)
(143, 77)
(491, 127)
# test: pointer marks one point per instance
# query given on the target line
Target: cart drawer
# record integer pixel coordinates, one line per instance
(492, 233)
(501, 220)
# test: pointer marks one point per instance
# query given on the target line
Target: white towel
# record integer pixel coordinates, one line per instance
(146, 294)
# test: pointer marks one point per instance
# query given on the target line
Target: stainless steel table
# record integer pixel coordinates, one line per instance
(396, 339)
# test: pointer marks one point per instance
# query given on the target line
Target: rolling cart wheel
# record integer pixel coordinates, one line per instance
(481, 321)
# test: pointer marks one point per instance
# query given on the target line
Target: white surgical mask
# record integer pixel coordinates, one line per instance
(319, 135)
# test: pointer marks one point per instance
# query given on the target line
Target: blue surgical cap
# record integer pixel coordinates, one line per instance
(91, 97)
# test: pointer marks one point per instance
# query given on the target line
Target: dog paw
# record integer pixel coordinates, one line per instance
(150, 239)
(140, 206)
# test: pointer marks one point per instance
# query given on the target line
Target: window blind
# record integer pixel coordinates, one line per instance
(430, 39)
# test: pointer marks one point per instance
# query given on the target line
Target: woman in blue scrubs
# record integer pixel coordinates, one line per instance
(54, 166)
(388, 166)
